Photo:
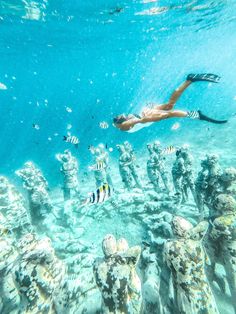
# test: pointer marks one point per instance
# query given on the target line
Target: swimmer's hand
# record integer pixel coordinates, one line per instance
(127, 125)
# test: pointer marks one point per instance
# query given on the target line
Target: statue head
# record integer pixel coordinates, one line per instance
(27, 242)
(122, 245)
(157, 146)
(66, 156)
(109, 245)
(29, 164)
(127, 146)
(225, 203)
(212, 159)
(97, 151)
(181, 226)
(184, 152)
(101, 146)
(229, 175)
(120, 148)
(150, 147)
(204, 163)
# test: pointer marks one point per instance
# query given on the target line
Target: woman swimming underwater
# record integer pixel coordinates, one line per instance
(134, 122)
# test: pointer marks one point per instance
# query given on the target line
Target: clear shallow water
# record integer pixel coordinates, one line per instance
(58, 54)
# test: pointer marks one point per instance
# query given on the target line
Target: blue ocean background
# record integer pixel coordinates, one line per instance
(56, 54)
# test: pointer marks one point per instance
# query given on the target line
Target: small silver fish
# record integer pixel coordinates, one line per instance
(68, 109)
(3, 86)
(175, 126)
(104, 125)
(35, 126)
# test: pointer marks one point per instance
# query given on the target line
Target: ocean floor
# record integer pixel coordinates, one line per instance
(77, 235)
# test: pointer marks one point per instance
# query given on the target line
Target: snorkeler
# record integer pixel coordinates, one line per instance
(133, 122)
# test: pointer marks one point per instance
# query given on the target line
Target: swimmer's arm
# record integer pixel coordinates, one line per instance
(126, 125)
(131, 122)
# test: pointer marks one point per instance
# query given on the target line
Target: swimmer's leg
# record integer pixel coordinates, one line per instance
(191, 78)
(177, 114)
(196, 114)
(174, 97)
(177, 93)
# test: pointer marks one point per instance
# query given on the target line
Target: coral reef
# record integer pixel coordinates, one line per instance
(15, 216)
(37, 188)
(182, 246)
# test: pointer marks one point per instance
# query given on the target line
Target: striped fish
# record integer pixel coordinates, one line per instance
(100, 165)
(169, 150)
(101, 195)
(71, 139)
(104, 125)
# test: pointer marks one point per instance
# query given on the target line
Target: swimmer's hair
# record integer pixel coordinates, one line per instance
(119, 119)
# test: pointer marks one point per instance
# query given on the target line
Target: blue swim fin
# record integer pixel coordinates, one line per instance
(205, 118)
(208, 77)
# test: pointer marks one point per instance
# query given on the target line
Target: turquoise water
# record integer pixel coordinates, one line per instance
(80, 63)
(57, 54)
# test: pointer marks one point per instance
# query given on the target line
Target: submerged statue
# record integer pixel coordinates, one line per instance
(185, 257)
(101, 170)
(182, 173)
(152, 169)
(222, 241)
(151, 282)
(159, 165)
(127, 166)
(39, 275)
(161, 228)
(37, 187)
(9, 296)
(69, 169)
(201, 188)
(124, 169)
(228, 181)
(116, 277)
(131, 164)
(207, 184)
(13, 209)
